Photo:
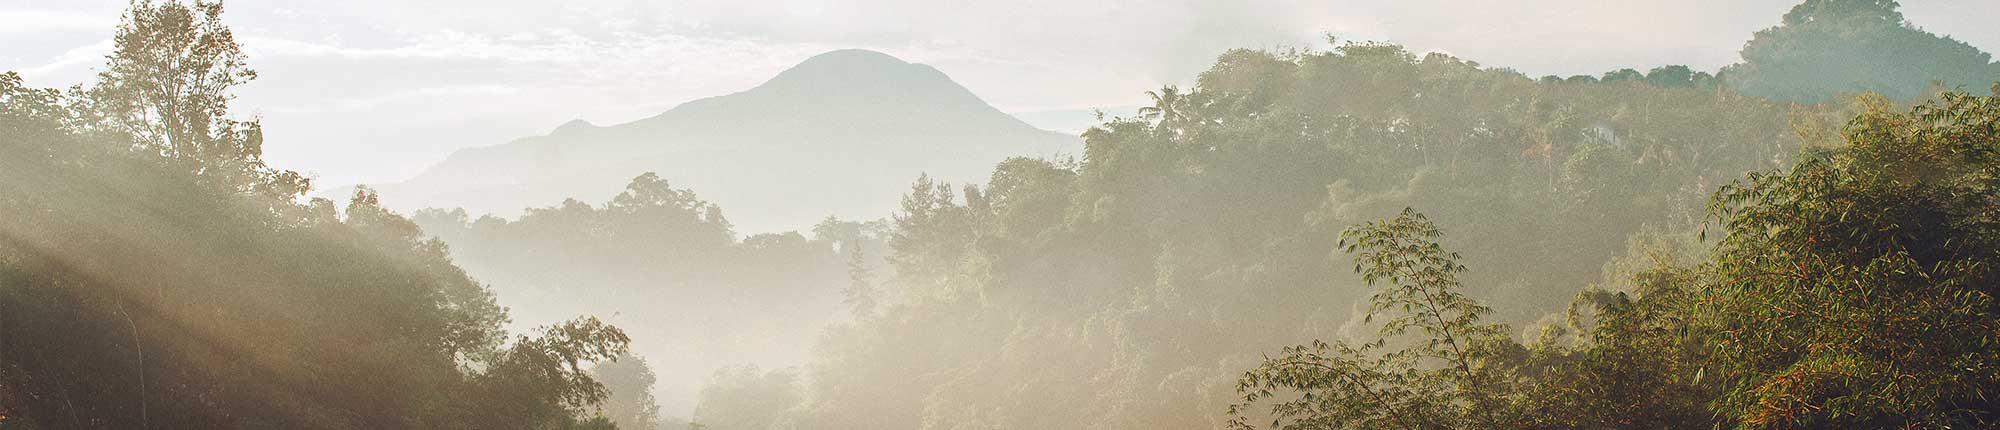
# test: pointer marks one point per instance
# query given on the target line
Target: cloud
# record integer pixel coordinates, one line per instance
(43, 21)
(350, 104)
(446, 44)
(72, 62)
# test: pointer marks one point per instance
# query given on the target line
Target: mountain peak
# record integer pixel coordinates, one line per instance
(859, 70)
(847, 89)
(573, 126)
(864, 119)
(853, 57)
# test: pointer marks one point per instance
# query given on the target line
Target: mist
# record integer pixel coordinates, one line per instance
(897, 215)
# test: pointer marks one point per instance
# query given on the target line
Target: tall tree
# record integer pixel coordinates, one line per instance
(1342, 386)
(1824, 47)
(630, 382)
(168, 84)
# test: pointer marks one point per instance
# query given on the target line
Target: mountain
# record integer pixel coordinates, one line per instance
(842, 133)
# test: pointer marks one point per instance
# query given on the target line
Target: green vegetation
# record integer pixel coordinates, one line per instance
(665, 265)
(743, 398)
(630, 382)
(1851, 291)
(1824, 47)
(154, 273)
(1667, 249)
(1857, 289)
(1195, 236)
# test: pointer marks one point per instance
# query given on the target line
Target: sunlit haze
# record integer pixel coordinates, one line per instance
(1038, 214)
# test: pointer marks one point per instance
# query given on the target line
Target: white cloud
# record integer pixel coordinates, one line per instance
(72, 63)
(41, 21)
(350, 104)
(445, 44)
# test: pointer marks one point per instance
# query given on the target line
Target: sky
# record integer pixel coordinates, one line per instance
(372, 91)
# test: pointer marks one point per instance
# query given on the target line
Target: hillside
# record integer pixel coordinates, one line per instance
(841, 133)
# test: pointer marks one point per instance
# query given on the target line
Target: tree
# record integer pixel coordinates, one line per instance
(746, 398)
(542, 380)
(1623, 75)
(167, 86)
(1341, 386)
(630, 382)
(1628, 353)
(1170, 107)
(1130, 288)
(154, 274)
(1678, 76)
(931, 231)
(850, 238)
(1824, 47)
(1847, 292)
(860, 294)
(1856, 290)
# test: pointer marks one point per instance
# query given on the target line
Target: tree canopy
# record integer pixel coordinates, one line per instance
(154, 273)
(1852, 290)
(1825, 47)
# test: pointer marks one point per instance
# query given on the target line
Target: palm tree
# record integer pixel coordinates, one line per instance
(1163, 102)
(1172, 108)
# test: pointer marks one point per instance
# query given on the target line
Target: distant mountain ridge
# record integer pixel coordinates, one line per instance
(842, 133)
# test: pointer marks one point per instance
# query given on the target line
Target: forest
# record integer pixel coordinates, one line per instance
(1345, 236)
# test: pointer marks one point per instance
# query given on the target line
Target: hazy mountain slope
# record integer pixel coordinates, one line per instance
(842, 133)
